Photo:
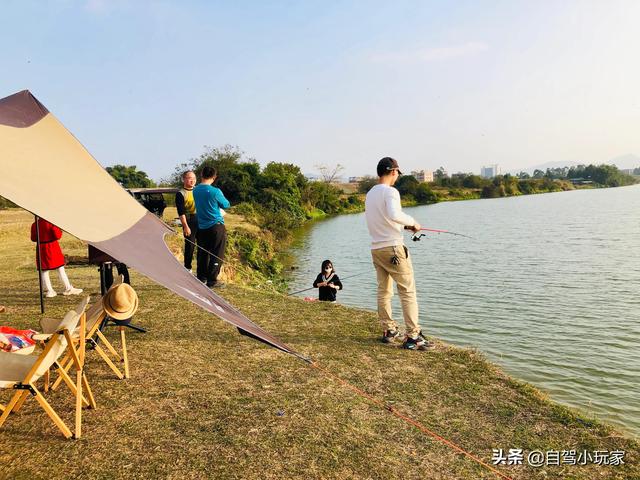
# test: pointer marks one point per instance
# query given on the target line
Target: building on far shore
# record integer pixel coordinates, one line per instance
(355, 179)
(423, 175)
(490, 171)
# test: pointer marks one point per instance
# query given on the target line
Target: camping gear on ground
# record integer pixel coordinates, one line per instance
(119, 227)
(13, 340)
(120, 303)
(21, 372)
(96, 320)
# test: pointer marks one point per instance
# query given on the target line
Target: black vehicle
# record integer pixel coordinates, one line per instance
(152, 198)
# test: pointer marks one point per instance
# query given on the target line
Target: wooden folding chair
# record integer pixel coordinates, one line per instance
(95, 316)
(21, 372)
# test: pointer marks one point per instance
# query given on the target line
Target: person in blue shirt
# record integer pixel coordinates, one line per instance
(212, 235)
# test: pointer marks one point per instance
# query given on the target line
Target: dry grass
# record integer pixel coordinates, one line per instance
(204, 402)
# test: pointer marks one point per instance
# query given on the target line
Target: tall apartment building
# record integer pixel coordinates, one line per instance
(490, 171)
(423, 175)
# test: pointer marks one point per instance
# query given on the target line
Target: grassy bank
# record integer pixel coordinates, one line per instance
(204, 402)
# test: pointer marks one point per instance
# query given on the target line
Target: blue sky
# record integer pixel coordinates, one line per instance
(457, 84)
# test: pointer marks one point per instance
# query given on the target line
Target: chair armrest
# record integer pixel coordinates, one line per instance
(42, 336)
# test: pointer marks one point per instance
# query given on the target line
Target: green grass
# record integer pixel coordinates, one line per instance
(205, 402)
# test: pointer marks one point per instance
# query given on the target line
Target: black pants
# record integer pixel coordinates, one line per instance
(214, 240)
(189, 242)
(108, 273)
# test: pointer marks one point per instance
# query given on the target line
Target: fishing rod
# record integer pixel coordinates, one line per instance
(417, 236)
(345, 278)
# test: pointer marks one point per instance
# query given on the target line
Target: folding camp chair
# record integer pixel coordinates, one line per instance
(21, 372)
(120, 314)
(95, 316)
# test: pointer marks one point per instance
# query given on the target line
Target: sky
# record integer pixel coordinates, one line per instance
(458, 84)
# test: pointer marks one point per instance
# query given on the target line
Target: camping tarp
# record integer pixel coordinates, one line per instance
(45, 169)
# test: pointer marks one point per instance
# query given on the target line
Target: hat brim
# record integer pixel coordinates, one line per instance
(119, 314)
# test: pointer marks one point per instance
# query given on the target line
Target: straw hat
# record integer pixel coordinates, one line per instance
(120, 302)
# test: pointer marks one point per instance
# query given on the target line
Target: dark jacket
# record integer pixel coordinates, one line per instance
(327, 294)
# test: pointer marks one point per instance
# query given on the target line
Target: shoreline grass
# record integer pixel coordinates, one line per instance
(205, 402)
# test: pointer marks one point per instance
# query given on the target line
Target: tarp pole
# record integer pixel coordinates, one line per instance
(39, 264)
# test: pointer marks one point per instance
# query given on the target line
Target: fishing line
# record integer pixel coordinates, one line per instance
(371, 398)
(194, 243)
(407, 419)
(345, 278)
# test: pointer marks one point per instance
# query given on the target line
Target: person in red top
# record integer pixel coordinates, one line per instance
(51, 258)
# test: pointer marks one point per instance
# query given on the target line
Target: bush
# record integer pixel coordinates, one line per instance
(424, 194)
(407, 185)
(367, 183)
(323, 196)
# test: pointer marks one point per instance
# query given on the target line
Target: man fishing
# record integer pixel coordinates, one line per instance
(386, 221)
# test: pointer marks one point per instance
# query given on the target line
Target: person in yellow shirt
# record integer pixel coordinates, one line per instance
(187, 213)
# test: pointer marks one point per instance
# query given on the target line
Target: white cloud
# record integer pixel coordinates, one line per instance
(430, 54)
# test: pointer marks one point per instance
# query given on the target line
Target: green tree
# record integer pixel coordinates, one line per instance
(323, 196)
(130, 176)
(367, 183)
(473, 181)
(424, 194)
(407, 185)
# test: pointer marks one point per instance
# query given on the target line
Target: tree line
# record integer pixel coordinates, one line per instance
(277, 197)
(601, 175)
(468, 185)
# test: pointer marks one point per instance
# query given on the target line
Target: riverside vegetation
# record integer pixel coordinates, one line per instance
(274, 200)
(205, 402)
(278, 198)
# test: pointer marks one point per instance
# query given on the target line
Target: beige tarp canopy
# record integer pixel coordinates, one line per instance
(45, 170)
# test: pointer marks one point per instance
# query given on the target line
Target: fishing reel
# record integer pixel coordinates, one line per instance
(417, 236)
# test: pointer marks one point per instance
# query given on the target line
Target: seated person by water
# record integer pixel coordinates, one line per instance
(327, 282)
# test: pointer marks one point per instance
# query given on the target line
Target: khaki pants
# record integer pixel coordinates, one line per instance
(402, 274)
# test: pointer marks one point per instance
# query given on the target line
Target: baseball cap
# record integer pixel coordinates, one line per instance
(386, 165)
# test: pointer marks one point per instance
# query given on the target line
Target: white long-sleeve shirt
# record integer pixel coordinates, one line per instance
(385, 219)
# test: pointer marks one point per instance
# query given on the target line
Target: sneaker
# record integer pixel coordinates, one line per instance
(418, 343)
(50, 294)
(219, 285)
(72, 291)
(389, 336)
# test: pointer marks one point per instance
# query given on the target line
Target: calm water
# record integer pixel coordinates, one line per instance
(549, 288)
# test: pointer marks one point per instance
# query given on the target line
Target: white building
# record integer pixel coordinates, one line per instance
(423, 175)
(490, 171)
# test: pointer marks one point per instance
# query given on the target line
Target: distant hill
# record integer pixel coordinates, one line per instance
(544, 166)
(626, 161)
(622, 161)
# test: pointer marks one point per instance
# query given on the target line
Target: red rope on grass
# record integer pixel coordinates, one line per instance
(409, 420)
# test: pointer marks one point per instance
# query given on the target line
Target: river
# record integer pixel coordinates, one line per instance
(548, 287)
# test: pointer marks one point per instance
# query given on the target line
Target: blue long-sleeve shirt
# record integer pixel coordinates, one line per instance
(209, 200)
